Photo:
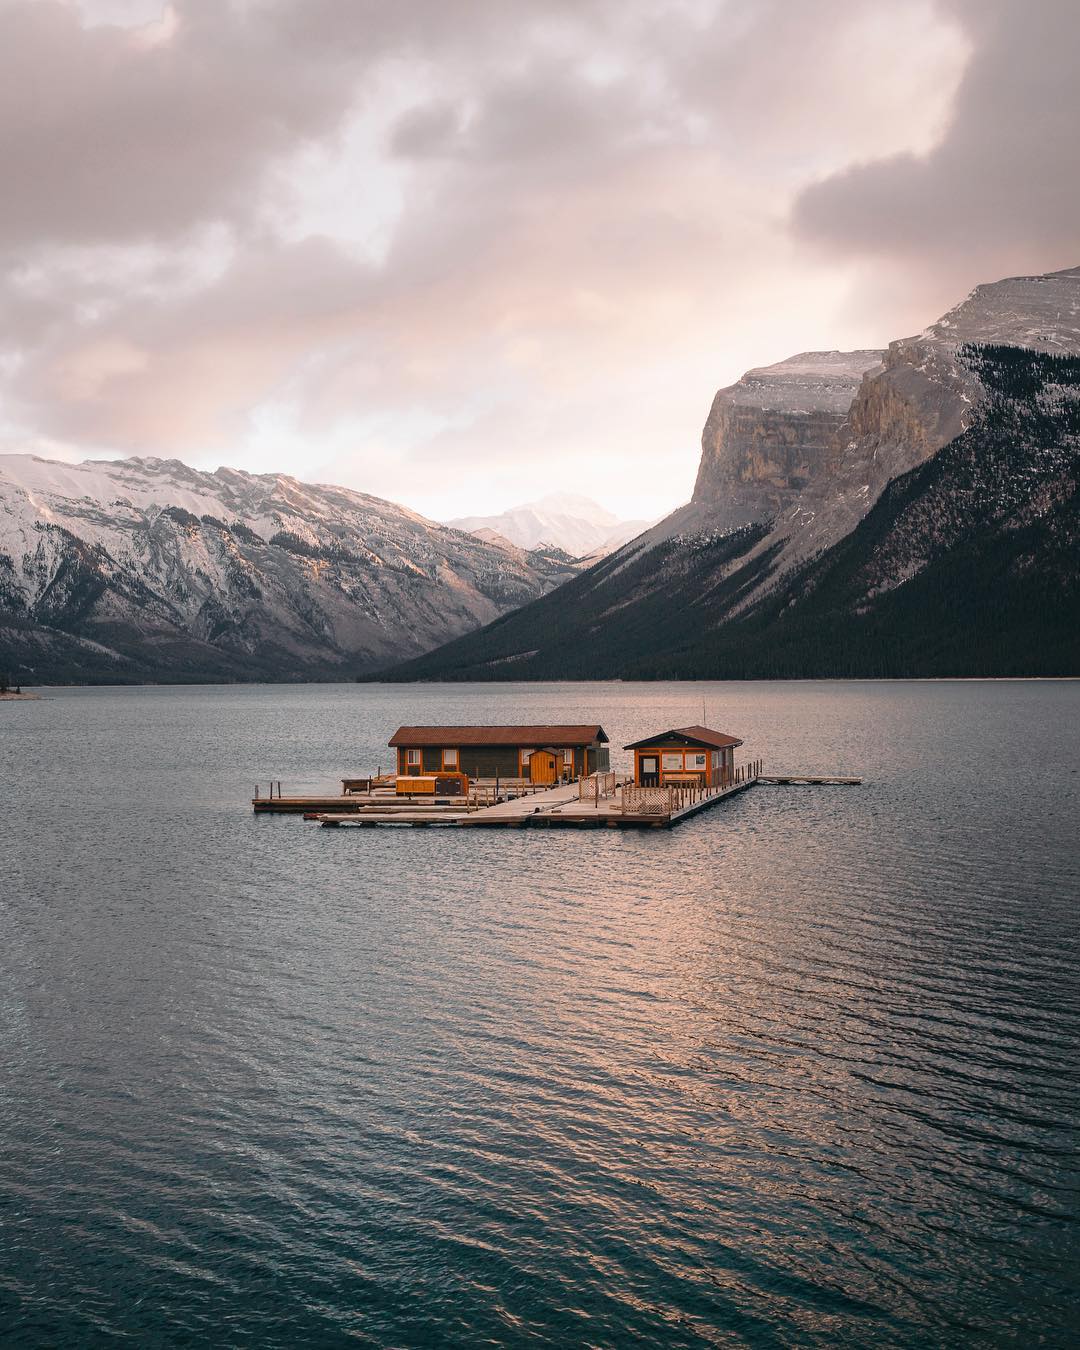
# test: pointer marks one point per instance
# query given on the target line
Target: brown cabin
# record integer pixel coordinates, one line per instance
(696, 755)
(541, 754)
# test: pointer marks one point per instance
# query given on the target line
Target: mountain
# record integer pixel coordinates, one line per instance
(146, 569)
(575, 525)
(910, 512)
(776, 432)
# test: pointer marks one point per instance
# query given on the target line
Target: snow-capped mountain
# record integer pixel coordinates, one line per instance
(911, 511)
(146, 568)
(810, 443)
(576, 525)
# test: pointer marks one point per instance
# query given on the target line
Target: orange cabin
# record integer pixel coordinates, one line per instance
(685, 755)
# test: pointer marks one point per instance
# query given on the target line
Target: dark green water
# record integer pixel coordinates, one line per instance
(802, 1072)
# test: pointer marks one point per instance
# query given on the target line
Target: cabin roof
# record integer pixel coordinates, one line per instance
(716, 740)
(531, 736)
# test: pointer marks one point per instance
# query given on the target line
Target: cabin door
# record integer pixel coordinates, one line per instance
(542, 767)
(650, 771)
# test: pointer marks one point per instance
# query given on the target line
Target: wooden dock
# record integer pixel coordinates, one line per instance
(559, 808)
(817, 779)
(583, 804)
(480, 796)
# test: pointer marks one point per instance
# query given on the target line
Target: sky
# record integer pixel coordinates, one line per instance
(462, 253)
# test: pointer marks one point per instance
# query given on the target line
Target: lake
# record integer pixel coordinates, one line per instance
(802, 1071)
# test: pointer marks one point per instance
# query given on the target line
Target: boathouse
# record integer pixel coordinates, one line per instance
(540, 754)
(695, 755)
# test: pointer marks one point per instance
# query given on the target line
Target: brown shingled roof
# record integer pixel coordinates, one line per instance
(529, 736)
(719, 740)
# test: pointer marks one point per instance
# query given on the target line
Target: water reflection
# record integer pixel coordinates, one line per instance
(801, 1071)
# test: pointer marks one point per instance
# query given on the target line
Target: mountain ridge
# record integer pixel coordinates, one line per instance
(721, 585)
(577, 525)
(148, 569)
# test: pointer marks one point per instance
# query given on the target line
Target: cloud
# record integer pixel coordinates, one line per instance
(438, 249)
(1000, 191)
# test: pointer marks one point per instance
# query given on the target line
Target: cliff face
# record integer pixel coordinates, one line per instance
(968, 564)
(809, 444)
(147, 569)
(899, 513)
(924, 396)
(774, 433)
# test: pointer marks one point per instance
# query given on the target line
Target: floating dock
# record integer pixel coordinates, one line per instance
(560, 807)
(382, 794)
(601, 801)
(817, 779)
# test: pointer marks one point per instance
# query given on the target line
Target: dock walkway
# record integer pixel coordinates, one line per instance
(558, 808)
(816, 779)
(565, 805)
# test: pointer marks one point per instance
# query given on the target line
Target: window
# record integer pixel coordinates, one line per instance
(696, 761)
(450, 759)
(568, 758)
(673, 761)
(413, 757)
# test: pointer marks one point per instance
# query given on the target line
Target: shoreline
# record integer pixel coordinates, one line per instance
(612, 680)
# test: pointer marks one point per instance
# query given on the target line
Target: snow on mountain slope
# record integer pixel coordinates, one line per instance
(560, 520)
(183, 573)
(807, 445)
(1040, 313)
(912, 511)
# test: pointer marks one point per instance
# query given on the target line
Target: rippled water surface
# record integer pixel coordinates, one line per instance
(801, 1072)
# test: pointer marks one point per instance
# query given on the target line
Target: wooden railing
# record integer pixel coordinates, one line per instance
(480, 795)
(648, 801)
(672, 797)
(596, 788)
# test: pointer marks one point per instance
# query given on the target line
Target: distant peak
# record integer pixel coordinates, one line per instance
(570, 503)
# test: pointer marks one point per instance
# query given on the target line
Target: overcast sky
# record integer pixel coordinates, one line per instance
(459, 253)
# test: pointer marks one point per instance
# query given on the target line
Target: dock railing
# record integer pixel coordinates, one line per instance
(648, 801)
(671, 797)
(596, 788)
(480, 795)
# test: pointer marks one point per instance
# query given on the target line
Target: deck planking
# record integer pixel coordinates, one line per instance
(815, 779)
(560, 808)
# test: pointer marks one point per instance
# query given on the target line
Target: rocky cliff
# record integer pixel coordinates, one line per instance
(916, 514)
(147, 569)
(774, 433)
(924, 396)
(807, 446)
